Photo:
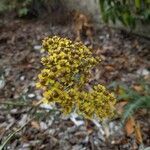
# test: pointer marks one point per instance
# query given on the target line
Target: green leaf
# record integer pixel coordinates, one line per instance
(138, 4)
(147, 1)
(130, 108)
(102, 5)
(146, 15)
(23, 12)
(125, 17)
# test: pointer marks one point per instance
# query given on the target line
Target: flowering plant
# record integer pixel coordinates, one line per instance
(64, 78)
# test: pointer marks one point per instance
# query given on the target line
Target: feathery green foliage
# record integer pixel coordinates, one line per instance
(136, 99)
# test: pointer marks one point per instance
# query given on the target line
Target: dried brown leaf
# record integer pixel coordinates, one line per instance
(35, 125)
(129, 126)
(82, 26)
(109, 68)
(138, 134)
(138, 88)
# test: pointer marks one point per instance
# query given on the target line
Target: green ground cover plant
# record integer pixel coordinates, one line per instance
(137, 97)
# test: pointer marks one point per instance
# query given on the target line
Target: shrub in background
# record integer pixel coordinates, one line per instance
(22, 7)
(128, 12)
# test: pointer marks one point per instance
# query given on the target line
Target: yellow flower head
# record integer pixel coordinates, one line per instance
(66, 71)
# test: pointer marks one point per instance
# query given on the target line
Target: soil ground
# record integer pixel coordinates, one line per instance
(125, 58)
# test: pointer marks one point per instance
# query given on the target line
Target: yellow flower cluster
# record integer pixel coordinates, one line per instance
(97, 103)
(66, 72)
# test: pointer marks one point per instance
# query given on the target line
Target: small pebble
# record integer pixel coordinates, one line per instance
(43, 125)
(31, 95)
(77, 147)
(143, 72)
(23, 120)
(13, 111)
(71, 129)
(101, 37)
(51, 131)
(2, 82)
(37, 47)
(25, 145)
(12, 89)
(22, 78)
